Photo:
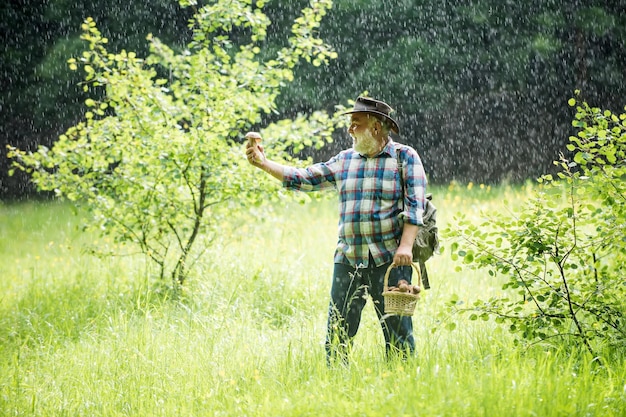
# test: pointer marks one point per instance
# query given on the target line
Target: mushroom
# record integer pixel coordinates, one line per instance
(254, 138)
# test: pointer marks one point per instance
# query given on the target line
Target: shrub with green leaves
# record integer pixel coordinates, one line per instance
(563, 256)
(158, 159)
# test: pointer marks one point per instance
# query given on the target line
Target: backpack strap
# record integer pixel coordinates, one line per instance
(422, 264)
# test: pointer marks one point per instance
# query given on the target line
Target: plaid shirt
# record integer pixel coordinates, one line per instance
(370, 199)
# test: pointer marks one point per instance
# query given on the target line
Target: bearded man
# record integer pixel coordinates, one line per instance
(378, 221)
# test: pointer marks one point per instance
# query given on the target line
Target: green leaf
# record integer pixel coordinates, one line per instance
(469, 258)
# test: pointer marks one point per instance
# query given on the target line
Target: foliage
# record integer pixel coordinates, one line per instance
(467, 78)
(440, 51)
(158, 160)
(46, 34)
(564, 255)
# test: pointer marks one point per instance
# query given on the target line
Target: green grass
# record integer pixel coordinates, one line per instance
(85, 336)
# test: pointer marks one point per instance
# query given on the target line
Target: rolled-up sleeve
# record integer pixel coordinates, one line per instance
(415, 187)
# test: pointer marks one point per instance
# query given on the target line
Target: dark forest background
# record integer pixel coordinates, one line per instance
(480, 87)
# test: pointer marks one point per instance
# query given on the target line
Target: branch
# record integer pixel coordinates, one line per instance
(519, 271)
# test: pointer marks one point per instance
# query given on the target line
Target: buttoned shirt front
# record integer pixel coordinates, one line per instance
(372, 205)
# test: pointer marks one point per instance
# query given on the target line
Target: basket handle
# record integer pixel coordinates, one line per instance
(386, 280)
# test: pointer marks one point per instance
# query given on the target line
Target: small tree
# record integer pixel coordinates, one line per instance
(563, 256)
(159, 160)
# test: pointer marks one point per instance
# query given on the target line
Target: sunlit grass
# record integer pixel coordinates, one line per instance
(84, 336)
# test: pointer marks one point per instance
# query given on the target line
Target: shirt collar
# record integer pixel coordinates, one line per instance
(390, 148)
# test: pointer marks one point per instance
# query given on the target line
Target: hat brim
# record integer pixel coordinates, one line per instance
(394, 125)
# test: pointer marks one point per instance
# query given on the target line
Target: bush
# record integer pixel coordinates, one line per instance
(563, 256)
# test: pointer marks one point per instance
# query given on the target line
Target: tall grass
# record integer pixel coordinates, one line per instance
(86, 336)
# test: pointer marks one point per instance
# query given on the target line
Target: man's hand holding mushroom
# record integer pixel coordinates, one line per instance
(254, 149)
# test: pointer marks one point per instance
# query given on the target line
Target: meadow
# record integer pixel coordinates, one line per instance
(84, 336)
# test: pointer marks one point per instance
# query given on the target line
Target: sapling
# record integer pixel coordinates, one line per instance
(158, 160)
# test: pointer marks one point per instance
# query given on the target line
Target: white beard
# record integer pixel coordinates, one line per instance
(365, 143)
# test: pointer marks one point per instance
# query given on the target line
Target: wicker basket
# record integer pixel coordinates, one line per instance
(400, 303)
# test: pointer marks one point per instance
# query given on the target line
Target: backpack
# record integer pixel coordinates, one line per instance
(427, 240)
